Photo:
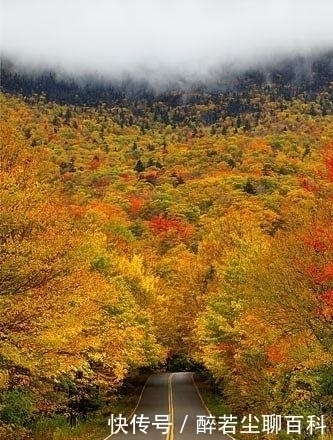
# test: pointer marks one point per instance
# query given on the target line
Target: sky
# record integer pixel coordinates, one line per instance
(153, 39)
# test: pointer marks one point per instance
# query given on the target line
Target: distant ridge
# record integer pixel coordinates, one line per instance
(289, 78)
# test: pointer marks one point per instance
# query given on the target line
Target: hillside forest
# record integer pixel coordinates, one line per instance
(189, 224)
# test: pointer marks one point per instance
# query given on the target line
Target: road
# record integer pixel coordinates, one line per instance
(176, 397)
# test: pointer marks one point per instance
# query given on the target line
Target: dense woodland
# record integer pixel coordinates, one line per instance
(189, 223)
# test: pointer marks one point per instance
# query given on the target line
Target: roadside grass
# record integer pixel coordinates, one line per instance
(213, 400)
(95, 427)
(217, 407)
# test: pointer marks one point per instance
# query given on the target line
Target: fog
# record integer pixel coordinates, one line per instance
(161, 39)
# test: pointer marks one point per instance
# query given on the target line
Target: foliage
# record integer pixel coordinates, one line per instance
(133, 235)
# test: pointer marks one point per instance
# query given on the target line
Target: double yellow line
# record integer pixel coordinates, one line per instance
(170, 434)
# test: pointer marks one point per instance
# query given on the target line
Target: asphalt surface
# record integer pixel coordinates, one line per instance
(175, 398)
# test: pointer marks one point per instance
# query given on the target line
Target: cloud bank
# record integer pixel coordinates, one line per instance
(153, 38)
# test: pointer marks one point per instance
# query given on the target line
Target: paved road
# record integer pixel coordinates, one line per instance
(174, 396)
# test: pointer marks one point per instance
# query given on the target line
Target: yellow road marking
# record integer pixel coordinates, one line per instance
(170, 434)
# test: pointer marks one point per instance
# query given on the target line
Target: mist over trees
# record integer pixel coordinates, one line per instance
(290, 77)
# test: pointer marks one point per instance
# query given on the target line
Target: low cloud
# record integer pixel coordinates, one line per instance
(153, 39)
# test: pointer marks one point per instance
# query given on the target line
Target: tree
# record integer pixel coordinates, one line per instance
(139, 166)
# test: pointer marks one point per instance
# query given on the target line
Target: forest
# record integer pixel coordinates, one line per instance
(137, 228)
